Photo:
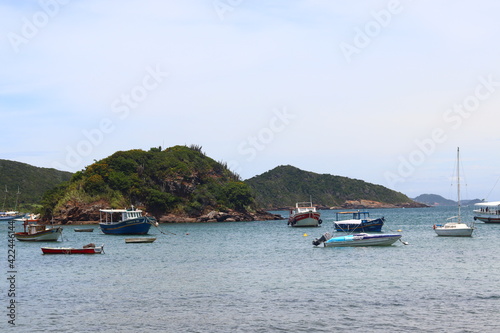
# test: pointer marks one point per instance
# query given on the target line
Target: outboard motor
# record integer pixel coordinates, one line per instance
(317, 241)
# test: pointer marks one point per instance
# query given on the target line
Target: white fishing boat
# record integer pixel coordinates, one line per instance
(487, 212)
(455, 228)
(304, 215)
(34, 232)
(361, 239)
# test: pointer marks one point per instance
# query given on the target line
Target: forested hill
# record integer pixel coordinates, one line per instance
(285, 185)
(179, 180)
(29, 181)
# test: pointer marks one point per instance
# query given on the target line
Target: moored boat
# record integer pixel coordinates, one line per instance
(487, 212)
(140, 240)
(35, 232)
(361, 239)
(455, 228)
(125, 222)
(84, 229)
(304, 215)
(9, 216)
(87, 249)
(360, 222)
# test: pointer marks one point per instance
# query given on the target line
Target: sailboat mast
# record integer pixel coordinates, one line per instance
(458, 184)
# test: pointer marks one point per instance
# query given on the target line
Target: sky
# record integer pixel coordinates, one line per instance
(382, 91)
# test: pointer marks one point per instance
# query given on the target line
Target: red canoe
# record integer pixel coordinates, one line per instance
(71, 250)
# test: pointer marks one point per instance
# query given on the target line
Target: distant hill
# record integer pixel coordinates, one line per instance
(437, 200)
(283, 186)
(32, 182)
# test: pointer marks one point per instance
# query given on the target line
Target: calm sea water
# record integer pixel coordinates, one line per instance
(261, 277)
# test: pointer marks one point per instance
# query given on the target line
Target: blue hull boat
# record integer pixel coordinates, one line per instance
(128, 222)
(360, 222)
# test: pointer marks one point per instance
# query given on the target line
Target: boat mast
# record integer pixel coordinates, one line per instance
(458, 184)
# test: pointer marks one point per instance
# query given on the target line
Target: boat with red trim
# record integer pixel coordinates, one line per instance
(487, 212)
(304, 215)
(86, 249)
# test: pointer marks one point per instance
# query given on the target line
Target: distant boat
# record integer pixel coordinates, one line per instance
(455, 228)
(360, 222)
(84, 229)
(125, 222)
(87, 249)
(361, 239)
(36, 232)
(304, 215)
(487, 212)
(9, 216)
(140, 240)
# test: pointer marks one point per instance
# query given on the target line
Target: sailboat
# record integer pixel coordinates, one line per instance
(455, 228)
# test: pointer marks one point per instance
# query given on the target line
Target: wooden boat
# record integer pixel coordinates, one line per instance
(125, 222)
(140, 240)
(487, 212)
(304, 215)
(455, 228)
(360, 222)
(35, 232)
(84, 230)
(362, 239)
(87, 249)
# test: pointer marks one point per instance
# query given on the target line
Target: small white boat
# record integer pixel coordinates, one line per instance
(487, 212)
(455, 228)
(140, 240)
(304, 215)
(361, 239)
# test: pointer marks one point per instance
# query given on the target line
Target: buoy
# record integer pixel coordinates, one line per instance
(399, 230)
(305, 235)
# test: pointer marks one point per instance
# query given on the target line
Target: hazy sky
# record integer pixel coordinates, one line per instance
(383, 91)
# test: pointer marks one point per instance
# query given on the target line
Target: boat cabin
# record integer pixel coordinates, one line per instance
(490, 208)
(304, 207)
(119, 215)
(356, 215)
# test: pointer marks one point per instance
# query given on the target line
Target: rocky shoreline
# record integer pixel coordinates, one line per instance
(89, 214)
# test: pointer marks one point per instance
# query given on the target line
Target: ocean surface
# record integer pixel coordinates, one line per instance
(260, 277)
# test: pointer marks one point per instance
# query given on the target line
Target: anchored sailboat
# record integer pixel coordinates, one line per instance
(456, 228)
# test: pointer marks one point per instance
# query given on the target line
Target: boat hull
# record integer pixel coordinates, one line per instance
(487, 219)
(374, 225)
(70, 250)
(46, 235)
(84, 230)
(454, 230)
(308, 219)
(10, 217)
(357, 240)
(140, 240)
(139, 226)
